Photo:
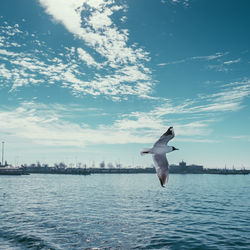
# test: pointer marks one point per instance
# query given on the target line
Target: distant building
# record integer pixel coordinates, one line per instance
(183, 168)
(4, 165)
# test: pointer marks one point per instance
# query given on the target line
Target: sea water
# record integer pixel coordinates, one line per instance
(124, 211)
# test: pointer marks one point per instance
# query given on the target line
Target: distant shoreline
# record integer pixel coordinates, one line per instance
(88, 171)
(62, 168)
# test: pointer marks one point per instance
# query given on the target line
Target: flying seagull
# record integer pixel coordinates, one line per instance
(159, 151)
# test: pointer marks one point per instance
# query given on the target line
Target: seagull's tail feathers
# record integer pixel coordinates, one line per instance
(146, 151)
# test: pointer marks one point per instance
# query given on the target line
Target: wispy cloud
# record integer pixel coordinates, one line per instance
(92, 22)
(232, 61)
(193, 119)
(90, 61)
(210, 57)
(241, 137)
(172, 63)
(120, 70)
(223, 66)
(183, 2)
(45, 126)
(4, 72)
(219, 61)
(9, 30)
(194, 58)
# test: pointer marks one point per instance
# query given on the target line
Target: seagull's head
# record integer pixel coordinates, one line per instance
(174, 148)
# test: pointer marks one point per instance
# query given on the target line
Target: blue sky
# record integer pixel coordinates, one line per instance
(87, 81)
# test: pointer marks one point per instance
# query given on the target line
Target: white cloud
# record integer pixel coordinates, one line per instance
(233, 92)
(43, 126)
(210, 57)
(183, 2)
(83, 55)
(120, 70)
(228, 98)
(92, 22)
(9, 30)
(241, 137)
(232, 61)
(221, 66)
(8, 53)
(96, 28)
(27, 69)
(204, 58)
(66, 12)
(4, 72)
(191, 118)
(123, 19)
(172, 63)
(220, 107)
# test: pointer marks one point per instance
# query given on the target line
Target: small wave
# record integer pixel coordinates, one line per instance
(27, 241)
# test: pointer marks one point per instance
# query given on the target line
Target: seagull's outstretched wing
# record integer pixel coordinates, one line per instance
(161, 165)
(166, 137)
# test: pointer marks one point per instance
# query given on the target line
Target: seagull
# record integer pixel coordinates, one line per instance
(159, 151)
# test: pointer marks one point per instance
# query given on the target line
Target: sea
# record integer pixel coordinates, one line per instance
(124, 211)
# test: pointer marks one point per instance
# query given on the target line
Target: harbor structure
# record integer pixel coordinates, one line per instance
(183, 168)
(6, 169)
(2, 152)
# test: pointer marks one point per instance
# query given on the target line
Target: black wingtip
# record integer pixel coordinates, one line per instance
(162, 184)
(169, 132)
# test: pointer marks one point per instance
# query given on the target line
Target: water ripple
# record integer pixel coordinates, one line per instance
(124, 212)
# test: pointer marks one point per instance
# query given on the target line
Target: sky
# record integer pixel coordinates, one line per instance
(94, 80)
